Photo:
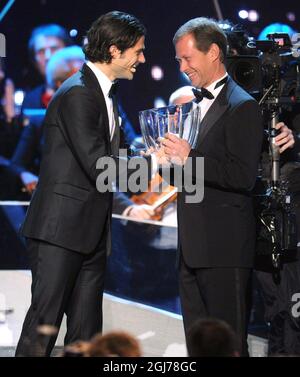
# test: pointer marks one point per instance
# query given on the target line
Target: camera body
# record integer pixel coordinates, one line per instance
(268, 67)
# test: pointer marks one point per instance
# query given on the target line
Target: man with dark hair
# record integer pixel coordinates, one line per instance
(44, 41)
(212, 337)
(67, 226)
(121, 32)
(217, 235)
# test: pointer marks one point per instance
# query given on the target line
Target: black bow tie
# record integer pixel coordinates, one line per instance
(113, 90)
(203, 92)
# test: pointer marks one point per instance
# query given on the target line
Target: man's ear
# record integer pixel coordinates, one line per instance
(214, 52)
(114, 51)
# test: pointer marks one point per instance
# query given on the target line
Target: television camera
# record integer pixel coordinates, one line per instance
(270, 71)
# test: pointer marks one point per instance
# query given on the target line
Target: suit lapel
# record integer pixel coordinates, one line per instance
(217, 109)
(90, 80)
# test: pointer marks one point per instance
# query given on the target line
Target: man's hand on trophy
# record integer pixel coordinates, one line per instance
(177, 150)
(159, 155)
(147, 152)
(285, 139)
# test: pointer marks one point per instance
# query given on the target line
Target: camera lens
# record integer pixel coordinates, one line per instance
(244, 74)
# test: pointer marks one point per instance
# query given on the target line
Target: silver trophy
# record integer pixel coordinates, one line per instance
(181, 120)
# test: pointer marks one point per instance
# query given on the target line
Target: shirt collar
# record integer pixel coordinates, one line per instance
(103, 80)
(211, 87)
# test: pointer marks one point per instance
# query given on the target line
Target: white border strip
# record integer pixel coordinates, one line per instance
(152, 222)
(13, 203)
(142, 306)
(125, 218)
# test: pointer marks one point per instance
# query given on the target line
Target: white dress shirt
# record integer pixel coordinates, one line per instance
(206, 103)
(105, 85)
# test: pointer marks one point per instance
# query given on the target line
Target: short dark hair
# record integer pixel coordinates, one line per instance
(49, 30)
(114, 28)
(211, 337)
(206, 31)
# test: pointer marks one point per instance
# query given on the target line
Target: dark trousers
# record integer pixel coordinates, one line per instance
(221, 293)
(63, 281)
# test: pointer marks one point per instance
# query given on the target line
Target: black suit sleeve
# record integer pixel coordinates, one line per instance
(243, 140)
(83, 125)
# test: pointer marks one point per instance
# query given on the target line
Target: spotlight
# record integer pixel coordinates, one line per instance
(291, 16)
(73, 33)
(253, 16)
(157, 73)
(243, 14)
(19, 97)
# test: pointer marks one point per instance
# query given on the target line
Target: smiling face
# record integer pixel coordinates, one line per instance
(202, 68)
(123, 65)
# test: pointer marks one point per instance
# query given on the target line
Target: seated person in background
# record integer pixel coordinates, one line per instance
(212, 338)
(62, 65)
(10, 129)
(7, 92)
(44, 41)
(25, 161)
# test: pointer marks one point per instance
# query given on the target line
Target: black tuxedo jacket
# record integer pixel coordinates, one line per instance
(66, 208)
(220, 230)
